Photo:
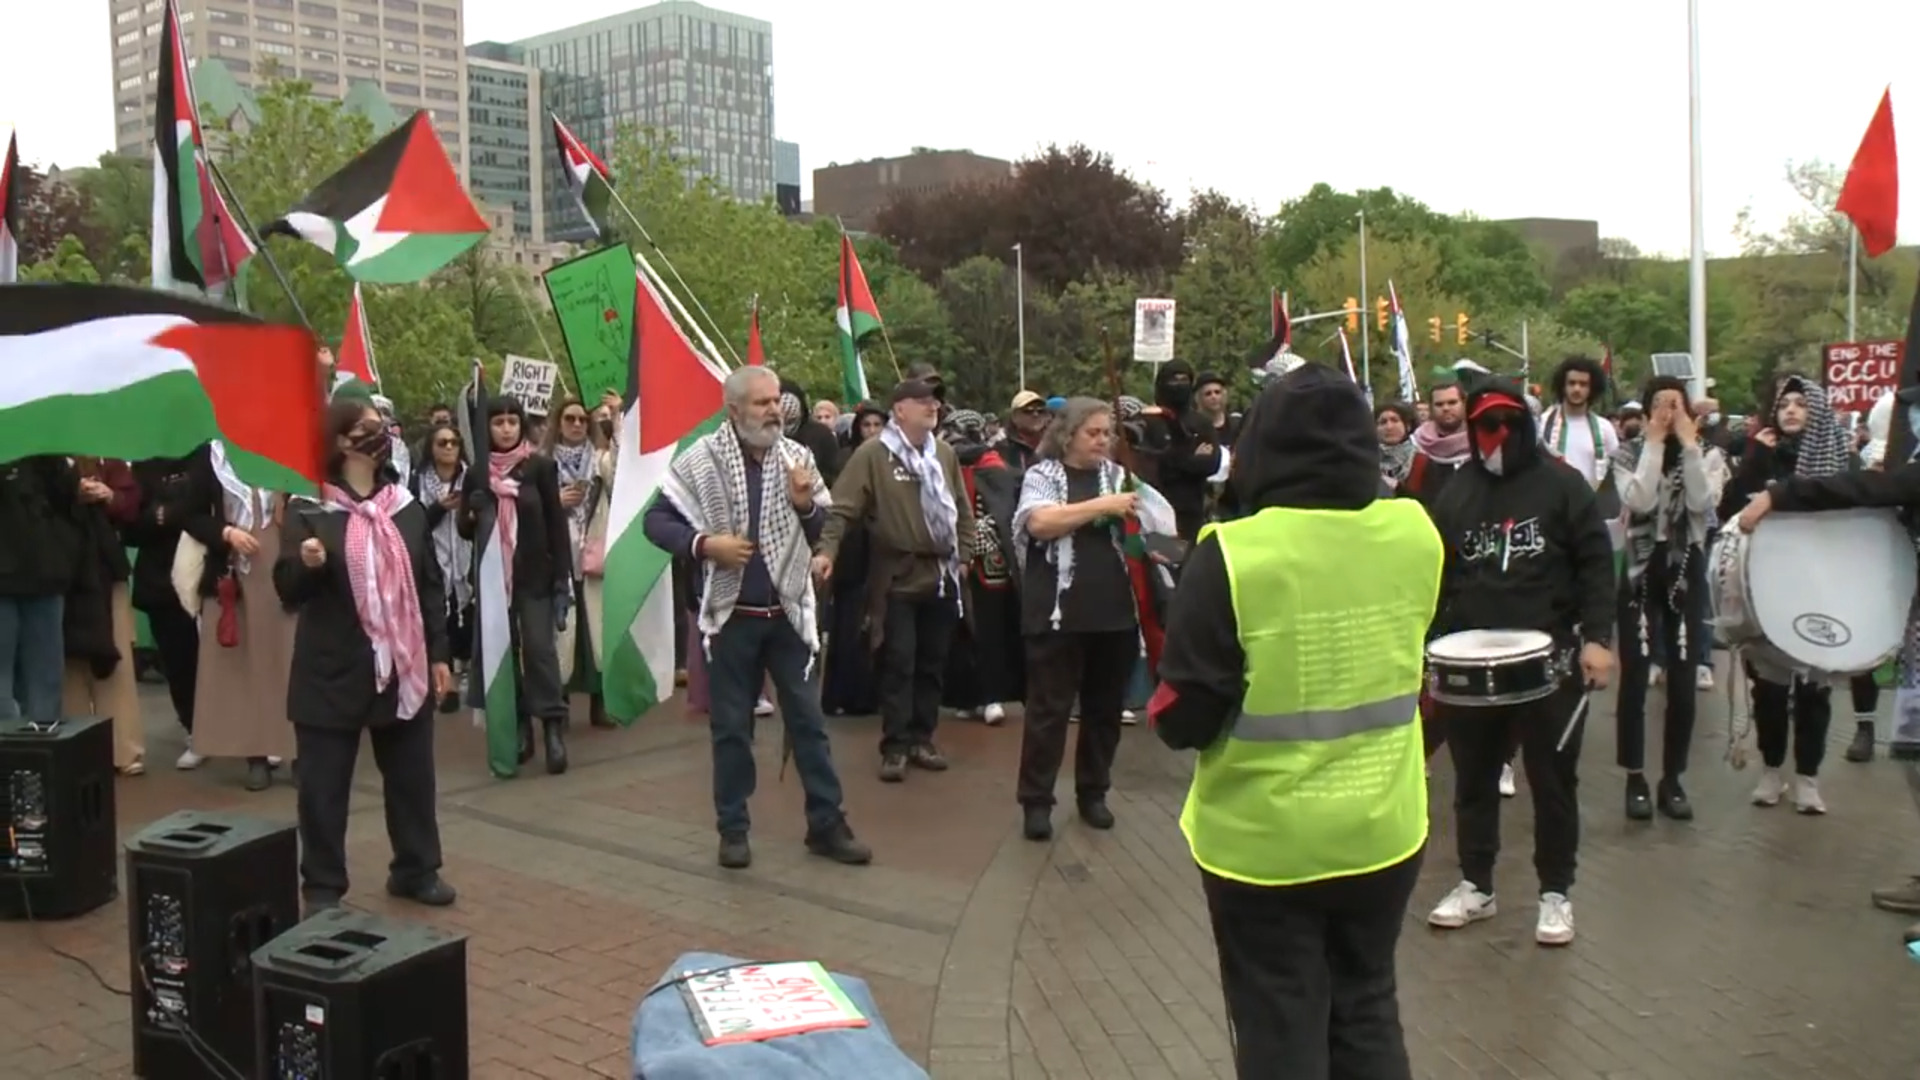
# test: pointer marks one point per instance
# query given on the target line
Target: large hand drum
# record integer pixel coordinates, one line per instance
(1827, 593)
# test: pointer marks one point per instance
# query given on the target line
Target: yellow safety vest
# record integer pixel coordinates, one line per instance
(1322, 773)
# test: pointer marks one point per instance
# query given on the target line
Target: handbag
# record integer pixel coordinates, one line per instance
(227, 630)
(189, 569)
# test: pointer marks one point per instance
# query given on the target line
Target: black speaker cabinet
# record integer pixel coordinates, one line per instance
(56, 804)
(352, 996)
(203, 892)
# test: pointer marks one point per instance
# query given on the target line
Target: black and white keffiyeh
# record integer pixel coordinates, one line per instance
(450, 551)
(1045, 484)
(707, 483)
(1821, 447)
(936, 498)
(576, 466)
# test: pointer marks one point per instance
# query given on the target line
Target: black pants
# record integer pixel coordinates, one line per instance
(176, 637)
(1805, 709)
(1866, 695)
(912, 667)
(1308, 972)
(542, 696)
(1630, 704)
(404, 753)
(1477, 738)
(1061, 666)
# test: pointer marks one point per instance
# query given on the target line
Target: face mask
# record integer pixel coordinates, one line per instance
(376, 444)
(1493, 463)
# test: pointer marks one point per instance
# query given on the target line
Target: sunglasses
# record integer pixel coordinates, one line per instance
(439, 444)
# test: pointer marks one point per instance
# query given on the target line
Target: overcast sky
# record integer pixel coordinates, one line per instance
(1507, 108)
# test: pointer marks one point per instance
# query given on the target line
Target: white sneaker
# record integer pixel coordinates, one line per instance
(1465, 904)
(1772, 785)
(1806, 795)
(993, 715)
(1128, 717)
(1556, 920)
(763, 708)
(1507, 787)
(1653, 675)
(188, 759)
(1703, 679)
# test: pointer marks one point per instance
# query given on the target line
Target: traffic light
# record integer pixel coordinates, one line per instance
(1380, 312)
(1460, 326)
(1433, 329)
(1353, 315)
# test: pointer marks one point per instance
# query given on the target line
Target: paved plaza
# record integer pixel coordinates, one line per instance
(1740, 945)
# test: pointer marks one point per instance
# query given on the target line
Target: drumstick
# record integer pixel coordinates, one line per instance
(1506, 546)
(1579, 712)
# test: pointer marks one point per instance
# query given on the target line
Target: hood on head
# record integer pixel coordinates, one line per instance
(793, 406)
(1166, 393)
(1521, 447)
(866, 408)
(1307, 442)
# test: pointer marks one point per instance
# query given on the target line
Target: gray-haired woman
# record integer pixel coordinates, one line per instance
(1077, 612)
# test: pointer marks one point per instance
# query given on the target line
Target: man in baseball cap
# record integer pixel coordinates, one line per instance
(1027, 418)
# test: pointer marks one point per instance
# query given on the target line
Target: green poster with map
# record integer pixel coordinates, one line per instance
(592, 299)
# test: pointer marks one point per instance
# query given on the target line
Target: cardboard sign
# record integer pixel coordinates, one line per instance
(532, 381)
(593, 301)
(754, 1002)
(1153, 331)
(1859, 373)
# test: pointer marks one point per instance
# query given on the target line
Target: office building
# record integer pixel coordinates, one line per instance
(408, 51)
(855, 194)
(701, 76)
(786, 177)
(506, 137)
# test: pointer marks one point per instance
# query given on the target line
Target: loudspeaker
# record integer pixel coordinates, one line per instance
(352, 996)
(203, 892)
(56, 798)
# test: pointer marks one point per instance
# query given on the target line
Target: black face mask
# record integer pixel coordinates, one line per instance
(1178, 394)
(376, 444)
(606, 429)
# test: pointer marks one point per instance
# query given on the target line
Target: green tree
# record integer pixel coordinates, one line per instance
(66, 262)
(1224, 301)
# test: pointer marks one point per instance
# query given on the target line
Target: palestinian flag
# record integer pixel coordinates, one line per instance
(756, 351)
(10, 214)
(587, 176)
(395, 214)
(355, 357)
(1154, 517)
(493, 690)
(857, 317)
(672, 398)
(196, 243)
(146, 374)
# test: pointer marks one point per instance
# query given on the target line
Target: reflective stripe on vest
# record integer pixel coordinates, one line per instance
(1322, 775)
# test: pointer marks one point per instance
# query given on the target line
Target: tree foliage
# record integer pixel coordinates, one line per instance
(943, 271)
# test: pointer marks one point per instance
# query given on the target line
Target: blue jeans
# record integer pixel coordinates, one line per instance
(32, 656)
(745, 652)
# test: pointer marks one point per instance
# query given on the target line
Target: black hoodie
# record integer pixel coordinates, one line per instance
(1527, 549)
(1308, 443)
(1183, 448)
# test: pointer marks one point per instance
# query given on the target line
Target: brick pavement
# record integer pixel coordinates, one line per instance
(1739, 945)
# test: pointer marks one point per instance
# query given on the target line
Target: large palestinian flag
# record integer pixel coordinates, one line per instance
(673, 397)
(857, 317)
(587, 176)
(196, 242)
(143, 374)
(10, 214)
(396, 213)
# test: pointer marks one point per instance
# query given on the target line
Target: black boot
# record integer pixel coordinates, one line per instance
(525, 731)
(556, 732)
(1861, 748)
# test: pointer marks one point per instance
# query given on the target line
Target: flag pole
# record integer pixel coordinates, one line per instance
(682, 282)
(259, 245)
(1697, 263)
(1853, 283)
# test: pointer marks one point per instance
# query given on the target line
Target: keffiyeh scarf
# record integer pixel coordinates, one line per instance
(246, 508)
(707, 483)
(506, 497)
(1045, 484)
(576, 467)
(1684, 530)
(380, 571)
(453, 553)
(1396, 460)
(936, 498)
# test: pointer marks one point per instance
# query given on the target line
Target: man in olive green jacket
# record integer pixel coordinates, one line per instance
(901, 487)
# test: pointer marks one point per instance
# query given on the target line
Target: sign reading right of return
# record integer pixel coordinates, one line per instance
(1859, 373)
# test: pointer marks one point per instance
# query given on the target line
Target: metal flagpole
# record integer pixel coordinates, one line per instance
(1020, 318)
(1366, 357)
(1853, 283)
(672, 298)
(1697, 265)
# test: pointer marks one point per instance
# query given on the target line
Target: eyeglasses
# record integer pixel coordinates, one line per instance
(1035, 410)
(573, 419)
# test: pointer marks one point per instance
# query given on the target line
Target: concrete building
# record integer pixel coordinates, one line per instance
(507, 141)
(702, 76)
(507, 247)
(408, 50)
(857, 193)
(786, 176)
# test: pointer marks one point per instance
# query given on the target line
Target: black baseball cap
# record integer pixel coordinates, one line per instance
(912, 390)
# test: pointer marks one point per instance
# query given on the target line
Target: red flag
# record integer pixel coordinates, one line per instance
(1871, 195)
(1278, 318)
(756, 352)
(356, 346)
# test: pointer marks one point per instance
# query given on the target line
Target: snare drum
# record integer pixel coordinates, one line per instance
(1814, 594)
(1493, 667)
